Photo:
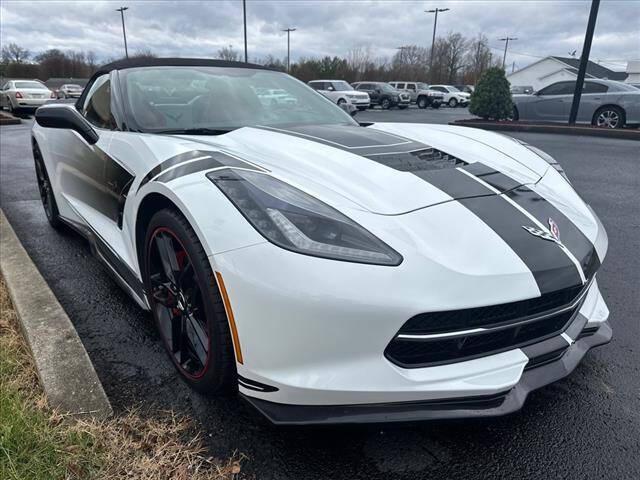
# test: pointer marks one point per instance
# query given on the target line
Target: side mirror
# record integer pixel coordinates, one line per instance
(349, 108)
(58, 116)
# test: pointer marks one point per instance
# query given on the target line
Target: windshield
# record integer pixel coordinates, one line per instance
(36, 85)
(342, 86)
(178, 99)
(385, 87)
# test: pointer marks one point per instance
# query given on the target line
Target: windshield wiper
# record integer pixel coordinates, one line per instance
(196, 131)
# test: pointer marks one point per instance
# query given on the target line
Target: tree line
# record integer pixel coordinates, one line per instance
(455, 59)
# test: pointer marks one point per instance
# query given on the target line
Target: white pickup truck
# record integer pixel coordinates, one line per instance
(420, 93)
(341, 92)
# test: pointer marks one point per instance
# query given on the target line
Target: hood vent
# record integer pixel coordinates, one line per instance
(423, 160)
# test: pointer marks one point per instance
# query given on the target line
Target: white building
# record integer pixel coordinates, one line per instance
(555, 69)
(633, 72)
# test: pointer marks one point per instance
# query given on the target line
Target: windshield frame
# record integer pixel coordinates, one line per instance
(132, 125)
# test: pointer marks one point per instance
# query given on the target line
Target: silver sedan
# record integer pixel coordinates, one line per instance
(24, 95)
(604, 103)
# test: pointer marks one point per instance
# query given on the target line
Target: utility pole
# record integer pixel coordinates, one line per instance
(584, 60)
(506, 46)
(433, 39)
(124, 32)
(244, 17)
(402, 56)
(289, 30)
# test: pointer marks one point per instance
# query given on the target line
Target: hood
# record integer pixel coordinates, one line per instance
(384, 168)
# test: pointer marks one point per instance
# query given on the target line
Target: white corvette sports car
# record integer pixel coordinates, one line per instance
(333, 272)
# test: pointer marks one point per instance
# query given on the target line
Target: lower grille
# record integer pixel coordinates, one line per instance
(482, 331)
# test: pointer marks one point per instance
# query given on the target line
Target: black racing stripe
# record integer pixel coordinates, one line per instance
(570, 235)
(215, 160)
(497, 180)
(549, 264)
(257, 386)
(170, 162)
(455, 183)
(355, 139)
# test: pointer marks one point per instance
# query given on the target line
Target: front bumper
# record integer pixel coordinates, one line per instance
(30, 103)
(492, 405)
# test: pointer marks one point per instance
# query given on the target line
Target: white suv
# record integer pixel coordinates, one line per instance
(341, 92)
(452, 96)
(420, 93)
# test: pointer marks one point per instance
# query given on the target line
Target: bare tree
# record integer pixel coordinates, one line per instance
(14, 53)
(478, 59)
(358, 60)
(228, 53)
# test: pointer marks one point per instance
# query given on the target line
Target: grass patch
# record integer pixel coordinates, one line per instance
(39, 443)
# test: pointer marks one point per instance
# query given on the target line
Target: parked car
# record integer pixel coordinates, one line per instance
(274, 96)
(18, 95)
(465, 88)
(330, 272)
(341, 92)
(452, 96)
(604, 103)
(420, 93)
(69, 90)
(521, 89)
(383, 94)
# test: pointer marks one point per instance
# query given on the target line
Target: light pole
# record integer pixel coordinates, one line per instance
(433, 39)
(506, 45)
(289, 30)
(244, 17)
(584, 59)
(124, 32)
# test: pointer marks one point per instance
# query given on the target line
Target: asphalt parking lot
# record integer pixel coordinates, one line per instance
(586, 426)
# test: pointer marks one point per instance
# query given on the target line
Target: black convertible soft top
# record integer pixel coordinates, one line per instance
(173, 62)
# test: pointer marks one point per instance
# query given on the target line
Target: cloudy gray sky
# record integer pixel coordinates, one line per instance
(325, 27)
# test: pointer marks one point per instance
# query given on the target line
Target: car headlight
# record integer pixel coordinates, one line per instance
(299, 222)
(545, 156)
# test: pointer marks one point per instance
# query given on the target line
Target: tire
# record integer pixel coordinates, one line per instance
(385, 104)
(10, 107)
(422, 102)
(436, 105)
(180, 301)
(609, 117)
(46, 191)
(341, 102)
(453, 102)
(515, 115)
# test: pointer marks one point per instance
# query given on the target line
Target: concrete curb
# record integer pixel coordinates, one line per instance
(64, 368)
(627, 134)
(7, 119)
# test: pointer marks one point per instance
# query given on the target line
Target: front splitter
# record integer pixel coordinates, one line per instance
(494, 405)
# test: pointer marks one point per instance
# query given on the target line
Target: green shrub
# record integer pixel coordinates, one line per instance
(492, 98)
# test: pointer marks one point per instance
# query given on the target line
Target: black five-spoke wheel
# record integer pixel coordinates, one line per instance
(46, 192)
(186, 304)
(178, 303)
